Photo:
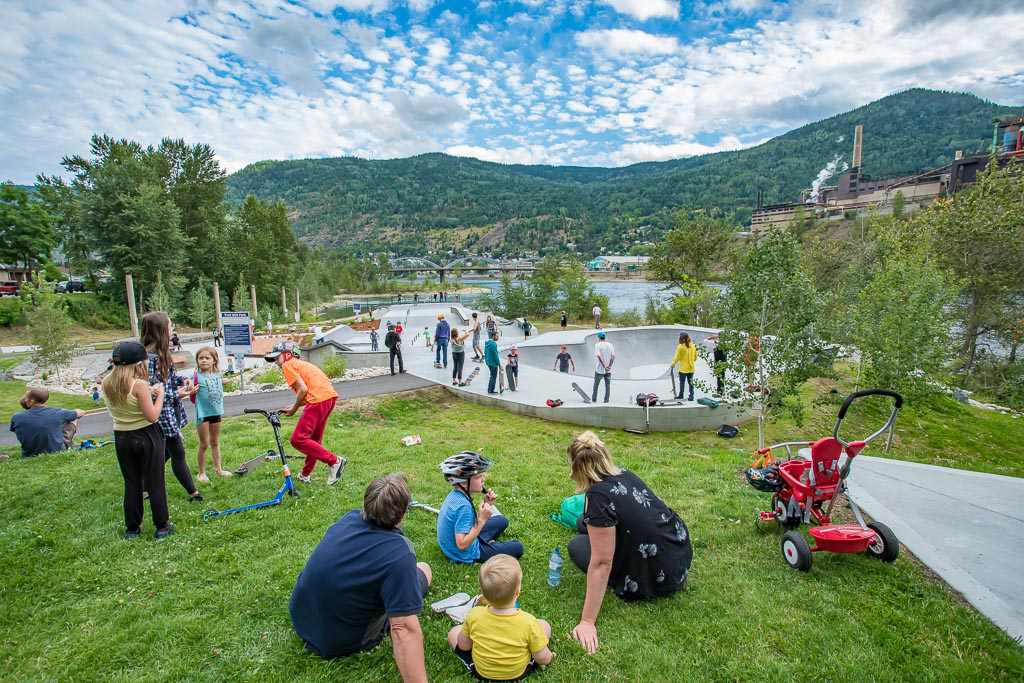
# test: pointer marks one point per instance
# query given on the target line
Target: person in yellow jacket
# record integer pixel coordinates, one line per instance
(686, 357)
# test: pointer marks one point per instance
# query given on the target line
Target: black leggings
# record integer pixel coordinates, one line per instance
(458, 362)
(174, 450)
(141, 458)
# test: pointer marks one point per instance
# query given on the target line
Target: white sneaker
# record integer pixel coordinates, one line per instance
(303, 478)
(336, 471)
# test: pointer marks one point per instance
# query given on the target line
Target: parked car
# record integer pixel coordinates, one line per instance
(61, 287)
(10, 288)
(75, 284)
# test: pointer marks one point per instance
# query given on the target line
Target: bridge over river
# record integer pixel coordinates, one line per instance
(469, 264)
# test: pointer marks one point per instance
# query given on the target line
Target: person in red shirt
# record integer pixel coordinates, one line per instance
(315, 394)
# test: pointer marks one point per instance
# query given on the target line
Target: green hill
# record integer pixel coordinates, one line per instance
(434, 201)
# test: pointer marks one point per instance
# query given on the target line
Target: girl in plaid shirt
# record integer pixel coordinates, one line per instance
(156, 337)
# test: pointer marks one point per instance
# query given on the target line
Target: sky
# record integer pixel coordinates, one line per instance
(560, 82)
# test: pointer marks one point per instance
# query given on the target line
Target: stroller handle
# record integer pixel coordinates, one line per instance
(898, 403)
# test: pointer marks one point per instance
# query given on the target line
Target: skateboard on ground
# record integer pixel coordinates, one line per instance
(672, 374)
(472, 375)
(579, 390)
(510, 373)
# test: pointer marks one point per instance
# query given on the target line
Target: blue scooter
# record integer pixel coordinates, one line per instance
(289, 486)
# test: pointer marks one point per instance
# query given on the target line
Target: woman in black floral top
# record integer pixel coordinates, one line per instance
(631, 541)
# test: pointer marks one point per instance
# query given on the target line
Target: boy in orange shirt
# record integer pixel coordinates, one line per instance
(316, 395)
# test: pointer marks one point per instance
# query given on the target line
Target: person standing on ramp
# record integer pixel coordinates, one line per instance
(316, 395)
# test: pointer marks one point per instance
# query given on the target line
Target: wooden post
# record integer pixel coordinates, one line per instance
(252, 296)
(133, 316)
(216, 306)
(298, 311)
(284, 303)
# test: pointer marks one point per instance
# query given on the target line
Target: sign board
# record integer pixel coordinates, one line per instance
(237, 333)
(356, 308)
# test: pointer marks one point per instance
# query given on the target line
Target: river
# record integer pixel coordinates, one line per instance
(622, 295)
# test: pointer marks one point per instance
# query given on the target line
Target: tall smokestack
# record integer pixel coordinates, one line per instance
(858, 141)
(760, 199)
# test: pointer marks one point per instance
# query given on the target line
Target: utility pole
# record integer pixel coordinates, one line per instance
(133, 316)
(216, 306)
(252, 297)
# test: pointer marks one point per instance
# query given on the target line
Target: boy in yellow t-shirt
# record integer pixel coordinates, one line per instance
(500, 642)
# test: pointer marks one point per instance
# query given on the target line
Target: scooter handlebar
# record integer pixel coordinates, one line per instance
(257, 411)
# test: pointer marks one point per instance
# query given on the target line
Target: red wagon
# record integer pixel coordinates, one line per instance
(800, 488)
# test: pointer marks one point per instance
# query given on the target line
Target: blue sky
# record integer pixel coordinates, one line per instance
(580, 82)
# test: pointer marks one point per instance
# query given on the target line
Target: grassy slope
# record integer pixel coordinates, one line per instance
(210, 604)
(13, 390)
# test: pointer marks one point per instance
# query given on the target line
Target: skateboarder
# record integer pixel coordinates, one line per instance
(493, 361)
(597, 316)
(563, 361)
(604, 354)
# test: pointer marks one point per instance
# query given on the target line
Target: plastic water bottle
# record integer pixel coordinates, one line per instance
(555, 568)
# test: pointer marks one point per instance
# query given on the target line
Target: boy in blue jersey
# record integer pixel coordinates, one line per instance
(466, 535)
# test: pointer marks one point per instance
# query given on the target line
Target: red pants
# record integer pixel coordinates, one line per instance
(309, 432)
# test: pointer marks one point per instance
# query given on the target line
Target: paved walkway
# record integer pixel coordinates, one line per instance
(968, 527)
(98, 423)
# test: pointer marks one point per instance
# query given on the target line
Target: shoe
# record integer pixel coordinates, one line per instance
(131, 535)
(336, 471)
(225, 473)
(402, 372)
(196, 499)
(303, 478)
(493, 393)
(203, 479)
(164, 533)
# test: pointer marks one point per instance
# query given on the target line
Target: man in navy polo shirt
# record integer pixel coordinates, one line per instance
(363, 581)
(41, 429)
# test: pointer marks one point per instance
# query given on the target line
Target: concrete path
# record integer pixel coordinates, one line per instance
(100, 424)
(967, 527)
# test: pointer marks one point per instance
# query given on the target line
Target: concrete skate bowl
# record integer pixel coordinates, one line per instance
(642, 357)
(641, 353)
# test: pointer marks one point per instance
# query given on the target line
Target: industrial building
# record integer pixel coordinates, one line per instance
(856, 191)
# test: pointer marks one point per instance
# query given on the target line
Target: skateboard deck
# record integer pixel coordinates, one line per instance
(472, 375)
(510, 374)
(672, 374)
(579, 390)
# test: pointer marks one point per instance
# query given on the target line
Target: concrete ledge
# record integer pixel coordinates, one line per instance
(663, 418)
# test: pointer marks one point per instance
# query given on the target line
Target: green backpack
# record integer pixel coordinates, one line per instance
(572, 508)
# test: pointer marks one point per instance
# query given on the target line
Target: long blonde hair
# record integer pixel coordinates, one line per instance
(589, 461)
(118, 383)
(213, 352)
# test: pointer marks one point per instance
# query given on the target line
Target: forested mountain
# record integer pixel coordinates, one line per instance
(436, 202)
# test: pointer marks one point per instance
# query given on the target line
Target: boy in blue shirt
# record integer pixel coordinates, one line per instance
(465, 535)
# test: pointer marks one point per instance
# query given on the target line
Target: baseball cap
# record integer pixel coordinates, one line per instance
(280, 347)
(128, 353)
(513, 348)
(600, 335)
(440, 316)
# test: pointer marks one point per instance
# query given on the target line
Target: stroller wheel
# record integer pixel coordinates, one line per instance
(885, 546)
(795, 551)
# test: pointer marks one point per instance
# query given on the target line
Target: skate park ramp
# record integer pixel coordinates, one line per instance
(641, 353)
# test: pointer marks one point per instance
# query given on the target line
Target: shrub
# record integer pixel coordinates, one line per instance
(96, 311)
(334, 366)
(630, 318)
(269, 376)
(10, 311)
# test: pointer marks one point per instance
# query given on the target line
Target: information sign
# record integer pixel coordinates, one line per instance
(237, 332)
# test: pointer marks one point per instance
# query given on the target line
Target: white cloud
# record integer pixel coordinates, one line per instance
(647, 9)
(620, 41)
(645, 151)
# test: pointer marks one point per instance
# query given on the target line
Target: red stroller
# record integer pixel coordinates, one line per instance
(799, 488)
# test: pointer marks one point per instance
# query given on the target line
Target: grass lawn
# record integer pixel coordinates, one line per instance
(210, 603)
(13, 390)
